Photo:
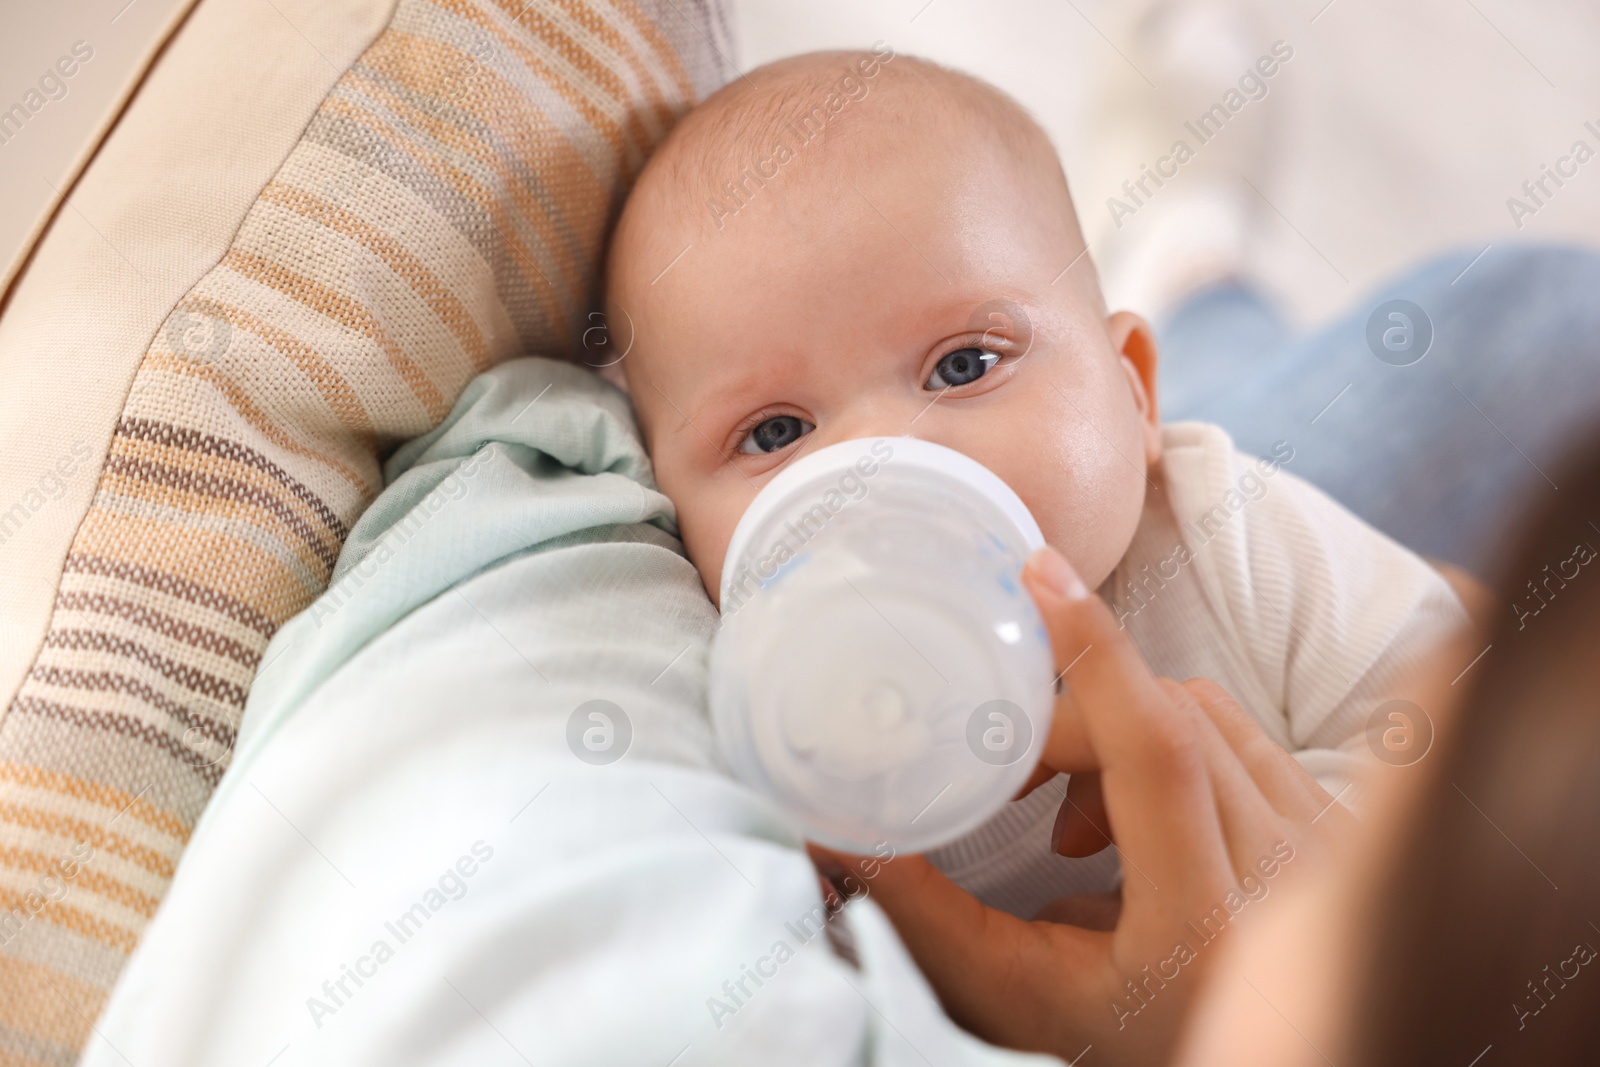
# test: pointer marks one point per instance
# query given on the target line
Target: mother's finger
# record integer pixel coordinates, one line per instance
(1082, 827)
(1151, 754)
(1250, 823)
(984, 963)
(1287, 785)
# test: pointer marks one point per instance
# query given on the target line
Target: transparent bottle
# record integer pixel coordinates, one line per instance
(880, 672)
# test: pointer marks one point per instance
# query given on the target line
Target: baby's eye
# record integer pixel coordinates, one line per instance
(775, 433)
(960, 367)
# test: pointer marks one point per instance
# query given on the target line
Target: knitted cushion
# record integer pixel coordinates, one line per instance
(444, 209)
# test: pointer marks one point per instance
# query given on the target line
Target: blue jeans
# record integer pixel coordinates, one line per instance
(1446, 453)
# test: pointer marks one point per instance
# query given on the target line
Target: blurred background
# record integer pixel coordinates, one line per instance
(42, 151)
(1396, 130)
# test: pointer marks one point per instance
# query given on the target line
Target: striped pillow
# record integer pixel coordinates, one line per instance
(444, 210)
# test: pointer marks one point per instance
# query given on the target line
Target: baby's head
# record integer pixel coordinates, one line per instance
(846, 245)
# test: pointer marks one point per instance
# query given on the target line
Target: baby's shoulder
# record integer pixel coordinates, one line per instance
(1223, 499)
(1323, 603)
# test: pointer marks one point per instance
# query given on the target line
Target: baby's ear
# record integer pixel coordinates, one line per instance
(1134, 342)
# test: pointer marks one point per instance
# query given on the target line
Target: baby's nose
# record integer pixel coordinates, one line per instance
(884, 418)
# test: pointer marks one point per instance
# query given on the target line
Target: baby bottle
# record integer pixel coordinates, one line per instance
(880, 672)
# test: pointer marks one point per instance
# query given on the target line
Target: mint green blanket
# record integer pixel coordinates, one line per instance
(475, 817)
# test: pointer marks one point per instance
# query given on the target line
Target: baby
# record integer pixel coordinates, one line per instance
(845, 245)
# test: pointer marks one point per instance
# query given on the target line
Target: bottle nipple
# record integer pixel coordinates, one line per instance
(883, 708)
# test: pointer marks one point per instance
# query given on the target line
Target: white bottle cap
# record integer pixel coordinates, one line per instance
(825, 466)
(880, 671)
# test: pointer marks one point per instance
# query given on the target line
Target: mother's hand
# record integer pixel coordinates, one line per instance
(1205, 809)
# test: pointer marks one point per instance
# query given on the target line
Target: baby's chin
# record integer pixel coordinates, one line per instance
(712, 580)
(710, 571)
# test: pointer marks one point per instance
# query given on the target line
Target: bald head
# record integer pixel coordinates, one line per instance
(782, 123)
(830, 244)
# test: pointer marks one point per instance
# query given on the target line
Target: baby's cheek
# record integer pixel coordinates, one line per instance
(706, 525)
(1088, 506)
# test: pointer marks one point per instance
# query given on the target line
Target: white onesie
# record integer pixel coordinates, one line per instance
(1242, 573)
